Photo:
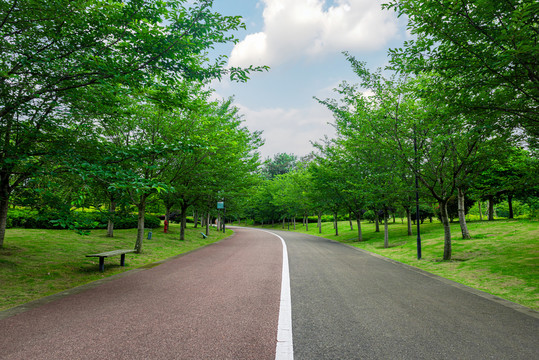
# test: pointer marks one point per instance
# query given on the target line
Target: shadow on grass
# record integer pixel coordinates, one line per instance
(392, 245)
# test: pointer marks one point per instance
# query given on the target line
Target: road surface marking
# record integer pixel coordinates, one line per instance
(285, 348)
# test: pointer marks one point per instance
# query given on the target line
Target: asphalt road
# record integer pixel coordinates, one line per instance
(347, 304)
(223, 302)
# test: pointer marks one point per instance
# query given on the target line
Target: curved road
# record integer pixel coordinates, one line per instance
(223, 302)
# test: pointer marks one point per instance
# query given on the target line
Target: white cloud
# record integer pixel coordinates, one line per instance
(296, 28)
(289, 130)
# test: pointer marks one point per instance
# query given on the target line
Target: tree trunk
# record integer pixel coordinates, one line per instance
(377, 221)
(284, 219)
(350, 221)
(196, 218)
(462, 215)
(4, 205)
(320, 222)
(409, 219)
(358, 222)
(140, 228)
(510, 203)
(447, 230)
(208, 220)
(167, 212)
(490, 208)
(110, 222)
(183, 217)
(480, 210)
(336, 225)
(306, 222)
(386, 231)
(294, 222)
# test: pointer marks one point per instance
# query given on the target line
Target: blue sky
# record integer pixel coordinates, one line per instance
(302, 41)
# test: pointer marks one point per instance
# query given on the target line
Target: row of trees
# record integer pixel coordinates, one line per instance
(106, 102)
(456, 111)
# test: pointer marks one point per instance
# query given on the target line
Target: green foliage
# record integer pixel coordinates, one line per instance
(425, 212)
(519, 209)
(76, 220)
(369, 215)
(281, 164)
(486, 50)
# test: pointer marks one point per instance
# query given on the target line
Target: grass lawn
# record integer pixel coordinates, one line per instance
(37, 263)
(502, 258)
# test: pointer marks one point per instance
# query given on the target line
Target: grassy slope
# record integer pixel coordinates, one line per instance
(37, 263)
(502, 258)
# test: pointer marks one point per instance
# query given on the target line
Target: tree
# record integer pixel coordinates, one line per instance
(281, 163)
(347, 176)
(487, 51)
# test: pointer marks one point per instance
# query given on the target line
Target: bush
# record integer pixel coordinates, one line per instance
(369, 215)
(519, 209)
(31, 219)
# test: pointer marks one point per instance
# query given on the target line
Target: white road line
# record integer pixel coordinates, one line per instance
(285, 347)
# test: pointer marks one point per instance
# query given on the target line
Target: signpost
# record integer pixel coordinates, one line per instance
(221, 206)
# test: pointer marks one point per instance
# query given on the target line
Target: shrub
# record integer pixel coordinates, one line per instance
(519, 209)
(368, 215)
(31, 219)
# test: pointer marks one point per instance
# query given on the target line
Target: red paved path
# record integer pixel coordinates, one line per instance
(221, 302)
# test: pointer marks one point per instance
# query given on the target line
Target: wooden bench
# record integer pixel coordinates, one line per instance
(105, 254)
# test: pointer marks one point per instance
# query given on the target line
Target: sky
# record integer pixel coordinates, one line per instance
(302, 42)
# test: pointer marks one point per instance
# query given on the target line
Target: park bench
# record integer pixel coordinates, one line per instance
(203, 235)
(105, 254)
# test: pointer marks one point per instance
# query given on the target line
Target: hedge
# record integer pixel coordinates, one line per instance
(32, 219)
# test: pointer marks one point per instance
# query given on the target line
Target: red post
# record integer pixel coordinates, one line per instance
(166, 226)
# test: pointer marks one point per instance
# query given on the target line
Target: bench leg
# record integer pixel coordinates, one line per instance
(101, 264)
(122, 260)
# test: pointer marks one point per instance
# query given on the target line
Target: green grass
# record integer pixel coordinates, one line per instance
(37, 263)
(502, 258)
